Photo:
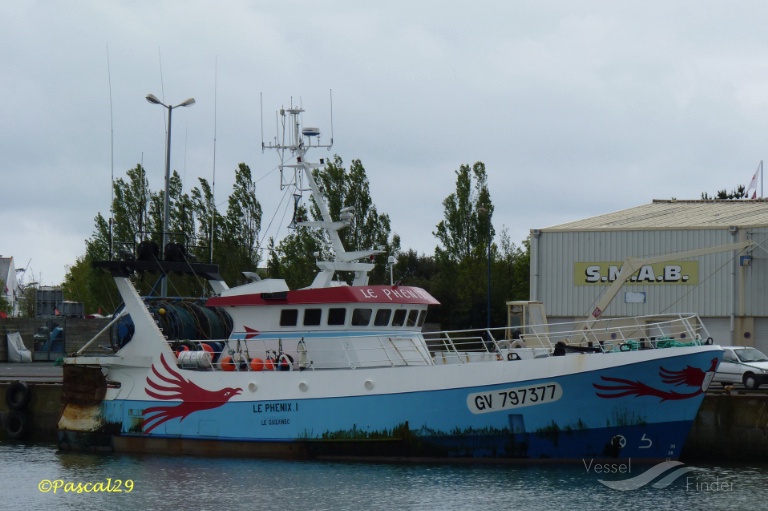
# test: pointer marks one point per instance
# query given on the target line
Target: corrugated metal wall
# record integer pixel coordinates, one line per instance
(725, 287)
(760, 341)
(719, 329)
(755, 286)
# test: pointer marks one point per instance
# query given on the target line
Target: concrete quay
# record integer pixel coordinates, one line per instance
(39, 415)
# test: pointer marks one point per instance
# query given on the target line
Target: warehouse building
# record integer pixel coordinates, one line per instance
(574, 263)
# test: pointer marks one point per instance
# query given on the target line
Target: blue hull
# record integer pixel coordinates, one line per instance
(632, 411)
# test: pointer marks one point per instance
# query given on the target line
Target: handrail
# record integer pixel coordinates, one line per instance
(358, 350)
(101, 332)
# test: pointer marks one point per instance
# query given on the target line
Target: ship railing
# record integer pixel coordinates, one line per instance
(460, 346)
(639, 332)
(302, 353)
(604, 336)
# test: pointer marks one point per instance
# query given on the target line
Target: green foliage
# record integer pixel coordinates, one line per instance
(293, 257)
(238, 249)
(137, 216)
(466, 233)
(27, 302)
(510, 268)
(468, 212)
(94, 288)
(510, 276)
(129, 205)
(413, 269)
(456, 274)
(739, 192)
(369, 229)
(5, 305)
(208, 221)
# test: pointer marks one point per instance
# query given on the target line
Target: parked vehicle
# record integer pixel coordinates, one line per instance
(742, 365)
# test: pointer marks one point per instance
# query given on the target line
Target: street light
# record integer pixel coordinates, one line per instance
(486, 211)
(188, 102)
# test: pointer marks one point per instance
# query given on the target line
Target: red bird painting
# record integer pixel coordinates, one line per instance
(690, 377)
(193, 398)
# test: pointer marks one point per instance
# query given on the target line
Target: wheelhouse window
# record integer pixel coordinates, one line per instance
(412, 318)
(382, 317)
(361, 317)
(399, 318)
(312, 317)
(422, 318)
(337, 316)
(289, 317)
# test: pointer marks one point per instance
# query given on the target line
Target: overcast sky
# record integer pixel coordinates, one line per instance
(577, 108)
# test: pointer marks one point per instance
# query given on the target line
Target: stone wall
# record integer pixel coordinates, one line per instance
(730, 427)
(77, 332)
(42, 413)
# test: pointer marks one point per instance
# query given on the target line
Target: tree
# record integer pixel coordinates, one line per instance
(465, 233)
(208, 220)
(137, 215)
(130, 224)
(368, 229)
(129, 211)
(738, 193)
(94, 288)
(181, 223)
(27, 301)
(413, 269)
(240, 228)
(5, 305)
(510, 276)
(514, 267)
(465, 226)
(293, 257)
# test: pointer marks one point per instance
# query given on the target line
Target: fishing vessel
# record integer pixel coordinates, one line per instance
(338, 370)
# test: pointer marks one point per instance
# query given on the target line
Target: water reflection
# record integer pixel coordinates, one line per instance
(168, 482)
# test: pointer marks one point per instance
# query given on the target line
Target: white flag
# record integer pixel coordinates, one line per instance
(753, 183)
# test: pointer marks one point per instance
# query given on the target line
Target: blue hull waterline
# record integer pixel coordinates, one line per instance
(562, 418)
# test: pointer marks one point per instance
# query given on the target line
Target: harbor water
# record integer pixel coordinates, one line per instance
(39, 477)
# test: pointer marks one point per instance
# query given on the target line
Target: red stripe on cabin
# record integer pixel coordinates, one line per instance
(344, 294)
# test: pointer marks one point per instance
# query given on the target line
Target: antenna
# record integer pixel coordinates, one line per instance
(261, 119)
(297, 142)
(160, 61)
(213, 182)
(184, 172)
(144, 201)
(331, 94)
(112, 163)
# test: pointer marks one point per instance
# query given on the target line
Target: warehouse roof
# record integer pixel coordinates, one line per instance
(677, 214)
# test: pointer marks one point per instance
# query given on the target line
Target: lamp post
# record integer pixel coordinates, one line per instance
(487, 212)
(188, 102)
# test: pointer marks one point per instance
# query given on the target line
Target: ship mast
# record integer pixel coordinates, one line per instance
(293, 151)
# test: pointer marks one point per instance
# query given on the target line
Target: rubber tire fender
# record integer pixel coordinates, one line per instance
(16, 425)
(18, 395)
